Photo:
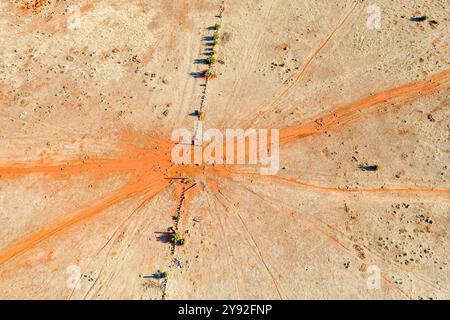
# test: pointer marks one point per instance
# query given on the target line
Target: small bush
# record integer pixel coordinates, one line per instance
(177, 239)
(216, 36)
(217, 26)
(212, 59)
(207, 73)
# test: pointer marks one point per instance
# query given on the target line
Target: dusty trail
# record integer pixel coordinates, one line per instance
(444, 192)
(89, 6)
(227, 172)
(330, 233)
(143, 164)
(133, 161)
(353, 111)
(339, 118)
(151, 188)
(299, 75)
(148, 169)
(252, 241)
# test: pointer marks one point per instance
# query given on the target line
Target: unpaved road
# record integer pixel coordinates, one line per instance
(88, 190)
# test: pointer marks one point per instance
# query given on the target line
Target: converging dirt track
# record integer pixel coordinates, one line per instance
(89, 196)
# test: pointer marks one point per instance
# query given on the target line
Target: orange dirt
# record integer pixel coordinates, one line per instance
(150, 167)
(353, 112)
(147, 167)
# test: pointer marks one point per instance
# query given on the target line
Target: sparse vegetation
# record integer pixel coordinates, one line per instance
(212, 59)
(208, 73)
(177, 239)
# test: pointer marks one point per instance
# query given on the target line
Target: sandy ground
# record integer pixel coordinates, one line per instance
(86, 117)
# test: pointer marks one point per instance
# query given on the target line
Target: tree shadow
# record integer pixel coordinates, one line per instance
(163, 237)
(208, 51)
(196, 113)
(197, 74)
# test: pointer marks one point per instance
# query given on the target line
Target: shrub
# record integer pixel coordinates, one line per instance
(216, 36)
(217, 26)
(207, 73)
(212, 59)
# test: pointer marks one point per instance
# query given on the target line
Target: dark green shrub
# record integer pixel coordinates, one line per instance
(212, 59)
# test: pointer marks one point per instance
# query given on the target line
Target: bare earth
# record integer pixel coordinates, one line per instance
(86, 118)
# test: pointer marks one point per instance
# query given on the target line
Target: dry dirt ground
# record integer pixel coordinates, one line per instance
(86, 117)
